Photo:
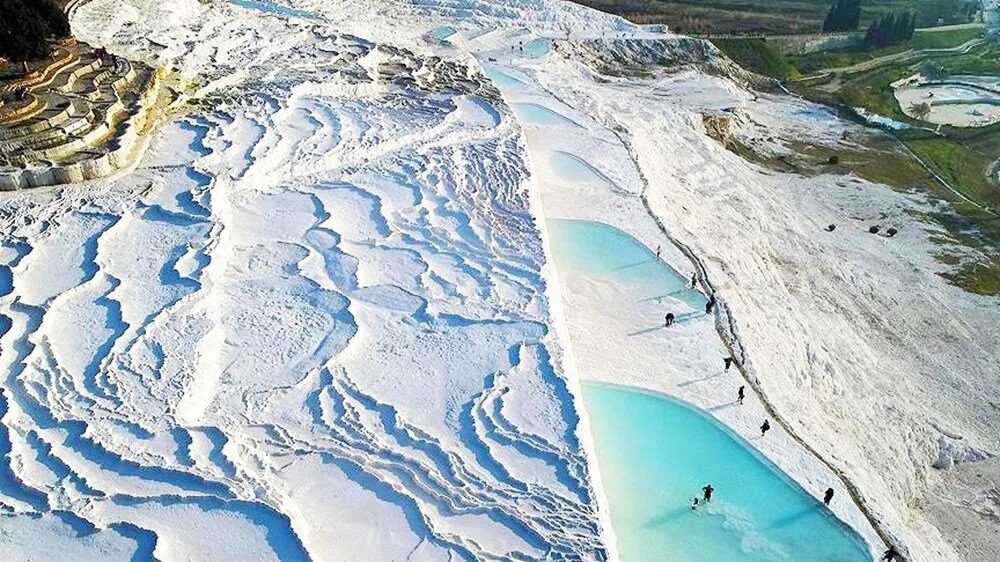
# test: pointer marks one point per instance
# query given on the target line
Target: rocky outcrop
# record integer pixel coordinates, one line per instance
(78, 118)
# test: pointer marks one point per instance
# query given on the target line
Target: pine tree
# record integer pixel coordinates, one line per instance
(852, 15)
(843, 16)
(901, 28)
(25, 28)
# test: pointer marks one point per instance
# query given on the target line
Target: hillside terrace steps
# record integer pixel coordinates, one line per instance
(77, 118)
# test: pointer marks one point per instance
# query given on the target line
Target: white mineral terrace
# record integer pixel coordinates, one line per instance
(319, 318)
(78, 118)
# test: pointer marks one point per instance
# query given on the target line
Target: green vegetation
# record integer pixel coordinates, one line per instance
(775, 16)
(944, 12)
(812, 63)
(844, 15)
(966, 159)
(889, 30)
(27, 28)
(756, 55)
(984, 60)
(978, 277)
(873, 92)
(943, 38)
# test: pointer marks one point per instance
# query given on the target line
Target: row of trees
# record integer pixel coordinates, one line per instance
(945, 12)
(891, 28)
(28, 26)
(843, 16)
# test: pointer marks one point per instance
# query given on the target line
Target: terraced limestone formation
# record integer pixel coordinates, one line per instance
(79, 117)
(315, 307)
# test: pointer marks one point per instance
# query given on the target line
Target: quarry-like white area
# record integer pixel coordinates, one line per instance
(310, 324)
(317, 319)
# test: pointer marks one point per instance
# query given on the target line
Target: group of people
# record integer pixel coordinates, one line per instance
(890, 555)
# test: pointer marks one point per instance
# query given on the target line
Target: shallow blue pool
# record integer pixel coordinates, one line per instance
(441, 33)
(540, 115)
(502, 79)
(599, 249)
(655, 454)
(538, 47)
(274, 8)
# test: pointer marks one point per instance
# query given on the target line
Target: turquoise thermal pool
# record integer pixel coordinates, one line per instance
(655, 453)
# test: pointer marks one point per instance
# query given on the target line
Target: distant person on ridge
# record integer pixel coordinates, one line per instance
(668, 320)
(890, 554)
(657, 252)
(694, 280)
(828, 496)
(739, 395)
(708, 489)
(764, 427)
(728, 361)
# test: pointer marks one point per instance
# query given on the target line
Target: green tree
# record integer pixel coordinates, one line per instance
(890, 29)
(843, 16)
(27, 26)
(920, 110)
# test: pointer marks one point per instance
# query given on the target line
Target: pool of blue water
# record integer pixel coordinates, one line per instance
(575, 169)
(274, 8)
(442, 33)
(501, 78)
(540, 115)
(655, 454)
(599, 249)
(538, 47)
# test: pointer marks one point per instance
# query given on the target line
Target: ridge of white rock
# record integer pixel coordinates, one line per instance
(315, 320)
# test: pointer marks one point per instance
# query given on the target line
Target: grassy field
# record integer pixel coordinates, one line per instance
(741, 16)
(963, 158)
(923, 39)
(756, 55)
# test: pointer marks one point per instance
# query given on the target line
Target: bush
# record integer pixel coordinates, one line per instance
(843, 16)
(27, 26)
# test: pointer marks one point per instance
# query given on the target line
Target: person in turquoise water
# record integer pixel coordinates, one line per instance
(707, 491)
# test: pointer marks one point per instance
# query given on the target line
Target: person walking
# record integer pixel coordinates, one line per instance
(710, 304)
(828, 496)
(694, 280)
(657, 252)
(707, 492)
(739, 395)
(668, 320)
(890, 554)
(764, 427)
(728, 361)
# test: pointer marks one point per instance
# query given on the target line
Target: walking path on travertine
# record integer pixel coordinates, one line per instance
(618, 340)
